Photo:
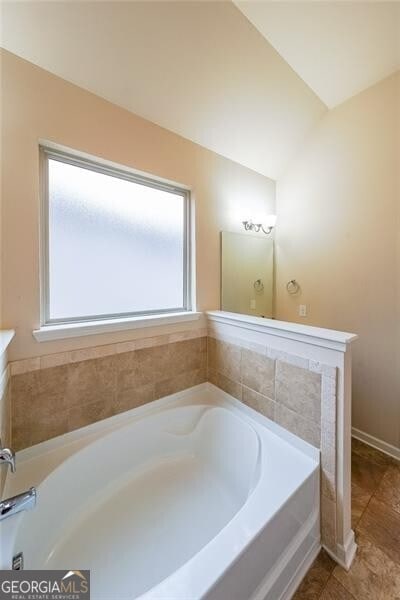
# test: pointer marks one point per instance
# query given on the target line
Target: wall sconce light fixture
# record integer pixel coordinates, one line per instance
(257, 227)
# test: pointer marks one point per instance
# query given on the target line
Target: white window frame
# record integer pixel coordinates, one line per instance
(76, 325)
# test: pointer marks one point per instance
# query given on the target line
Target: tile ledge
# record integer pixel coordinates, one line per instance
(337, 340)
(48, 333)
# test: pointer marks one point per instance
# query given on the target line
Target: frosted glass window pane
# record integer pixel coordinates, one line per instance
(115, 246)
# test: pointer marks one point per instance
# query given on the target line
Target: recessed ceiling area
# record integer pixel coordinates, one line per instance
(200, 69)
(337, 48)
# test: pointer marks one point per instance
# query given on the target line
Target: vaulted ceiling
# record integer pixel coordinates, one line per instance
(337, 48)
(248, 84)
(200, 69)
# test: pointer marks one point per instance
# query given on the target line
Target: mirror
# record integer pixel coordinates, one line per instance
(247, 274)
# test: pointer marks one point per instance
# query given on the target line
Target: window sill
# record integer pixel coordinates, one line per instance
(47, 333)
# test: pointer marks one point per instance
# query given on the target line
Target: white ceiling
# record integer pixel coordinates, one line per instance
(199, 69)
(208, 72)
(338, 48)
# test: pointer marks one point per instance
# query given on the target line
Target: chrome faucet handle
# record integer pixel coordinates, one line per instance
(7, 457)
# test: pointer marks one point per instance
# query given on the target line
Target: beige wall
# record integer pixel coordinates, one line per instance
(338, 235)
(38, 105)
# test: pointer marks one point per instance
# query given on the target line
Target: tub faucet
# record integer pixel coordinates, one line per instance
(7, 457)
(16, 504)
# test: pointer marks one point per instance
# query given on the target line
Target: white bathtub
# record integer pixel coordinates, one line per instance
(194, 496)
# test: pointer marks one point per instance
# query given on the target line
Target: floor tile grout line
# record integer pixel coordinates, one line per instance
(326, 583)
(372, 496)
(341, 583)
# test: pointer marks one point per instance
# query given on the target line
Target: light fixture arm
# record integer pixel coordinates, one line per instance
(257, 227)
(268, 230)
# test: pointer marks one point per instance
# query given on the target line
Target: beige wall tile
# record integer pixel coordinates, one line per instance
(126, 399)
(24, 366)
(224, 358)
(258, 372)
(212, 376)
(188, 355)
(299, 390)
(85, 414)
(260, 403)
(129, 346)
(290, 359)
(90, 379)
(180, 382)
(84, 354)
(186, 335)
(55, 360)
(37, 420)
(104, 381)
(150, 342)
(307, 430)
(25, 384)
(53, 381)
(229, 386)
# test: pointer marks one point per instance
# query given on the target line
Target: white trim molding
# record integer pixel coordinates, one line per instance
(328, 338)
(48, 333)
(376, 443)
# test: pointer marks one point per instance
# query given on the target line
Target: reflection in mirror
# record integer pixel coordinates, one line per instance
(247, 273)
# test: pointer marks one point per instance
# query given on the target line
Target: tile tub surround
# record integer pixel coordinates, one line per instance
(55, 394)
(301, 399)
(300, 377)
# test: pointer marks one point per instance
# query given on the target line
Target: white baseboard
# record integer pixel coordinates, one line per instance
(376, 443)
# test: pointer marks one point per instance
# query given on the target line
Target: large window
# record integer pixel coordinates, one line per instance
(116, 244)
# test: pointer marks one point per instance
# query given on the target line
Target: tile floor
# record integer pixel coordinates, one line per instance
(375, 572)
